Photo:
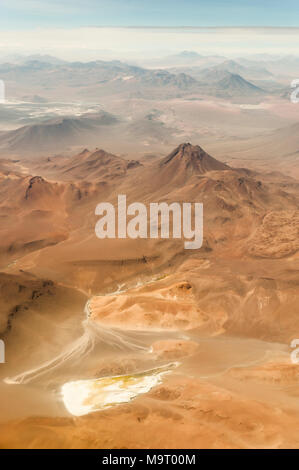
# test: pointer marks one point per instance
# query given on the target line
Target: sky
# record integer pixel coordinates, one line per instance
(132, 29)
(92, 43)
(27, 14)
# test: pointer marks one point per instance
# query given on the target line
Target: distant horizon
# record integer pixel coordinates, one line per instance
(136, 42)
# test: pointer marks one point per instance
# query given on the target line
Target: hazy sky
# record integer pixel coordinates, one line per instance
(92, 29)
(92, 43)
(16, 14)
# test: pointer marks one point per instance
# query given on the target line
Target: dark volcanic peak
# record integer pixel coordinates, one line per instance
(84, 152)
(237, 84)
(35, 181)
(193, 157)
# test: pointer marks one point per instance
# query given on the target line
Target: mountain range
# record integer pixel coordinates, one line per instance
(104, 78)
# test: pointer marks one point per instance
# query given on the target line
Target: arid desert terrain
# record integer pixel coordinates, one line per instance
(141, 343)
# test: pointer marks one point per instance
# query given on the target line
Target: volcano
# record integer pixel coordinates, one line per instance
(188, 160)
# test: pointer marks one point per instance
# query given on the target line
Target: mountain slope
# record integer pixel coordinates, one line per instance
(191, 159)
(234, 84)
(55, 134)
